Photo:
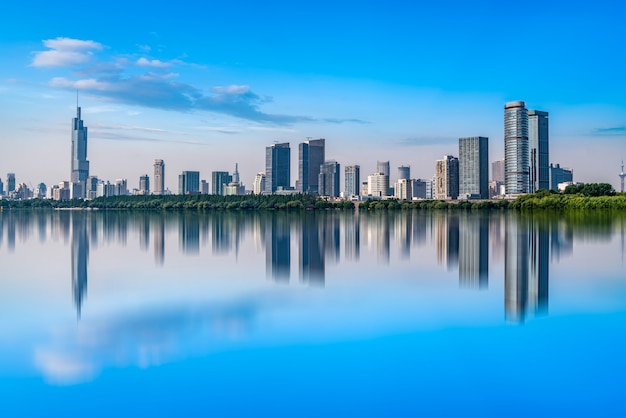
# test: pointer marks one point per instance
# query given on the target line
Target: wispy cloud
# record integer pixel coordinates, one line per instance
(116, 80)
(64, 52)
(144, 62)
(617, 130)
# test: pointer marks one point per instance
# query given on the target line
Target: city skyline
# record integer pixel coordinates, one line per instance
(200, 100)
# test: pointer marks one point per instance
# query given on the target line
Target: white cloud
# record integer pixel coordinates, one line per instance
(144, 62)
(65, 52)
(86, 84)
(233, 89)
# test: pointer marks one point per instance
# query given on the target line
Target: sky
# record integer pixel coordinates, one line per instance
(206, 86)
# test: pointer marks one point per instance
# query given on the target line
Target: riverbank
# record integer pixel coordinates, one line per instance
(530, 202)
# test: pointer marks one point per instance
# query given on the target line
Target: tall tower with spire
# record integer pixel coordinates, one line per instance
(80, 165)
(622, 176)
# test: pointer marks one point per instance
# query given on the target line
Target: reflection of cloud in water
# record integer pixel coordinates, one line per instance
(78, 353)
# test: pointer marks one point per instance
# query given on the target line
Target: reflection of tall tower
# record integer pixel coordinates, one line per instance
(311, 252)
(474, 251)
(515, 268)
(190, 234)
(80, 254)
(159, 241)
(278, 249)
(352, 235)
(539, 268)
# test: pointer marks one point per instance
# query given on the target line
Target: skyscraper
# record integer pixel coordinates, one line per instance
(474, 167)
(383, 167)
(539, 158)
(311, 156)
(447, 178)
(220, 180)
(378, 185)
(144, 184)
(352, 179)
(277, 167)
(516, 168)
(260, 182)
(159, 177)
(329, 179)
(404, 172)
(80, 165)
(189, 182)
(10, 182)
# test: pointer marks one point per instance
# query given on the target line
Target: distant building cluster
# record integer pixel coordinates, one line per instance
(525, 168)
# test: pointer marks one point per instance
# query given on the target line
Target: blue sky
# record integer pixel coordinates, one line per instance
(203, 87)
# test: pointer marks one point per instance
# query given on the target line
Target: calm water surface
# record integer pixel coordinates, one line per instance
(340, 314)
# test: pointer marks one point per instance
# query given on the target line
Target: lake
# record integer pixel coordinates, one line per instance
(108, 313)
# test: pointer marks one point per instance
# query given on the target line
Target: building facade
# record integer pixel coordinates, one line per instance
(558, 175)
(277, 167)
(260, 183)
(447, 178)
(404, 172)
(474, 167)
(159, 177)
(516, 153)
(352, 180)
(220, 180)
(189, 182)
(144, 184)
(403, 189)
(378, 185)
(329, 179)
(539, 158)
(311, 156)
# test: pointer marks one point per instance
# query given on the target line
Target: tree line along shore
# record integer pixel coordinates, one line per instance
(588, 196)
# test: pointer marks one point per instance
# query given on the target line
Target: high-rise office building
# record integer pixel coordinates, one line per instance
(311, 156)
(260, 182)
(560, 174)
(1, 188)
(352, 180)
(403, 189)
(189, 182)
(159, 177)
(539, 158)
(404, 172)
(516, 167)
(277, 167)
(144, 184)
(328, 181)
(220, 180)
(474, 167)
(418, 188)
(10, 182)
(204, 187)
(378, 185)
(497, 171)
(80, 165)
(383, 167)
(447, 178)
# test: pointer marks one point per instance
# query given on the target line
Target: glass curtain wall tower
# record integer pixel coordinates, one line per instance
(277, 167)
(159, 177)
(516, 167)
(311, 157)
(474, 167)
(80, 165)
(539, 157)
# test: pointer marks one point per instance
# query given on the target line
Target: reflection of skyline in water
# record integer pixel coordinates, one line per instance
(526, 277)
(465, 240)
